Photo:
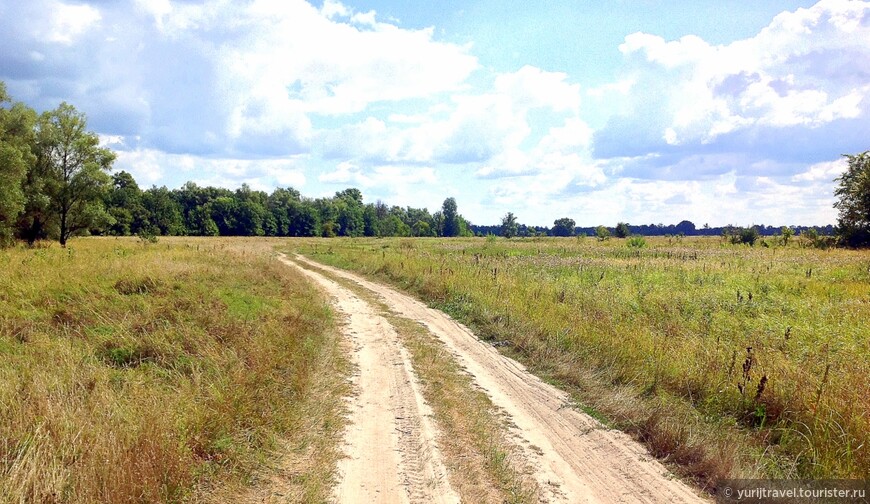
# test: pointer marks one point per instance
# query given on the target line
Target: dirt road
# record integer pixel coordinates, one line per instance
(392, 442)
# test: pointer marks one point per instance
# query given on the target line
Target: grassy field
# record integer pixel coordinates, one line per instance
(727, 360)
(163, 372)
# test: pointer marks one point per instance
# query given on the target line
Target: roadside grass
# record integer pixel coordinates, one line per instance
(163, 372)
(728, 361)
(474, 438)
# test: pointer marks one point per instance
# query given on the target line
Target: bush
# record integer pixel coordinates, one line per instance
(812, 238)
(749, 236)
(785, 235)
(636, 242)
(746, 236)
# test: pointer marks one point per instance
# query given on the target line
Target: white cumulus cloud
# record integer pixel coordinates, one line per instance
(789, 74)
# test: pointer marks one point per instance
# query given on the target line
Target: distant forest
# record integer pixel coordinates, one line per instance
(684, 228)
(210, 211)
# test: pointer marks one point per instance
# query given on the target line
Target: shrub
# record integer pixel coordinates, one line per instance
(749, 235)
(636, 242)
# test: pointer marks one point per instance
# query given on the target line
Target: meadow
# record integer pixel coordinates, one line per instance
(175, 371)
(726, 360)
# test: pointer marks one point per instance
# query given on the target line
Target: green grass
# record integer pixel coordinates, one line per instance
(656, 338)
(164, 372)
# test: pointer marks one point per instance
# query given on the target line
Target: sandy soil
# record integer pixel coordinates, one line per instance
(575, 459)
(392, 454)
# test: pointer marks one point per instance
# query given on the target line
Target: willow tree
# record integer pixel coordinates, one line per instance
(853, 204)
(73, 169)
(16, 156)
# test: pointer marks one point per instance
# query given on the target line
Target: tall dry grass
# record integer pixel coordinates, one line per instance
(730, 361)
(133, 372)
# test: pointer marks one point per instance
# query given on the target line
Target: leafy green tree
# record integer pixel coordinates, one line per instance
(785, 235)
(414, 215)
(450, 223)
(16, 159)
(124, 204)
(349, 219)
(509, 225)
(370, 221)
(622, 230)
(328, 230)
(35, 222)
(326, 212)
(74, 170)
(422, 228)
(393, 226)
(283, 205)
(195, 203)
(306, 222)
(602, 233)
(749, 235)
(438, 223)
(250, 219)
(563, 227)
(201, 222)
(223, 212)
(164, 212)
(687, 228)
(853, 204)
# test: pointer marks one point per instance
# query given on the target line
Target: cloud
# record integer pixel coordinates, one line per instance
(220, 77)
(531, 87)
(825, 171)
(347, 173)
(808, 70)
(68, 22)
(149, 166)
(488, 129)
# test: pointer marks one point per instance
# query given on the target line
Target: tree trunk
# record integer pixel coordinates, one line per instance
(63, 229)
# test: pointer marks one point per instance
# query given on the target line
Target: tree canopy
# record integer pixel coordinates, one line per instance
(563, 227)
(75, 171)
(17, 140)
(853, 204)
(509, 226)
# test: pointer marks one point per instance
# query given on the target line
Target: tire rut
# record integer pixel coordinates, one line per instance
(391, 441)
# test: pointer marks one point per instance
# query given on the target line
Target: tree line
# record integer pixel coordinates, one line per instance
(566, 226)
(211, 211)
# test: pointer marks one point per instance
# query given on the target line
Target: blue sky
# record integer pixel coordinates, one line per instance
(728, 112)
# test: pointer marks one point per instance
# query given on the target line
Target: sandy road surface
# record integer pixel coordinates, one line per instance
(576, 460)
(392, 455)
